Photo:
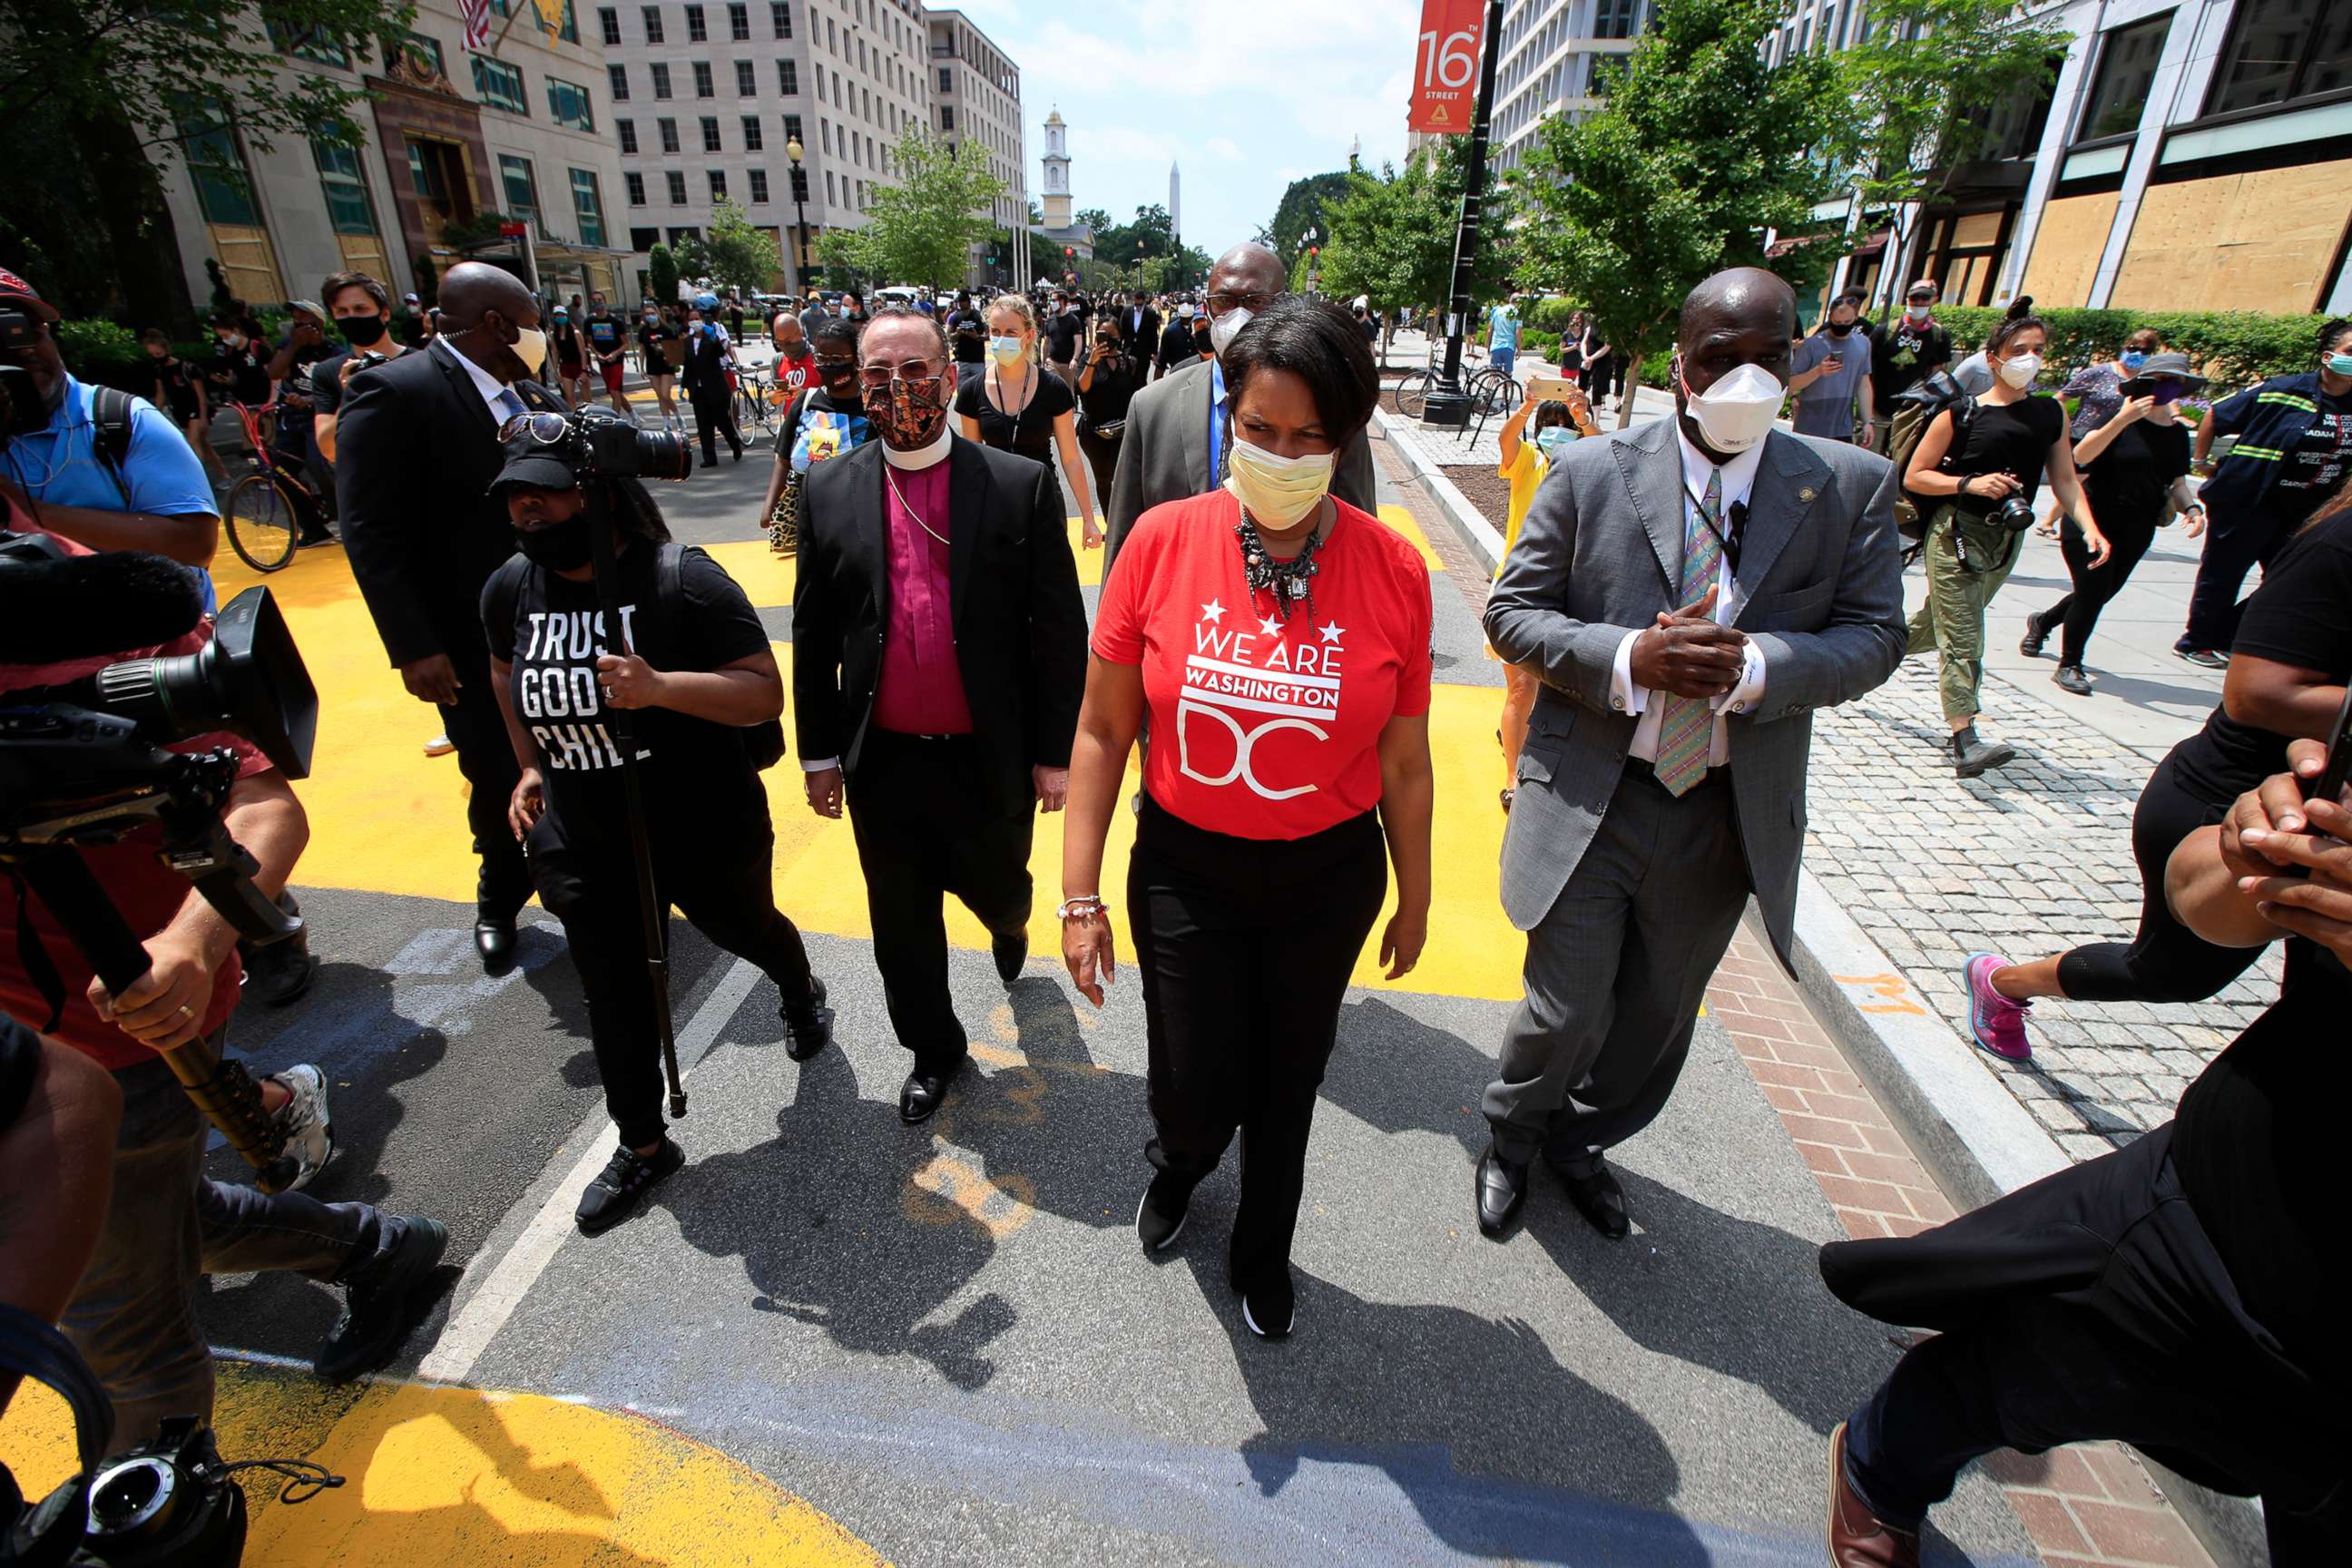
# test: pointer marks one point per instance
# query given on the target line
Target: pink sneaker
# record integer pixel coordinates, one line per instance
(1998, 1023)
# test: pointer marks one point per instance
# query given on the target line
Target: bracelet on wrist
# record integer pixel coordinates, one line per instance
(1081, 906)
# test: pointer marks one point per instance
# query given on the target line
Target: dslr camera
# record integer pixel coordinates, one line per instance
(599, 444)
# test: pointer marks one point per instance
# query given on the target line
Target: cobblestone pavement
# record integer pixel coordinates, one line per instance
(2027, 861)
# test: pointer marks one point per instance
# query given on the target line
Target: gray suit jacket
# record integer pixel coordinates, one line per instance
(1164, 455)
(1820, 578)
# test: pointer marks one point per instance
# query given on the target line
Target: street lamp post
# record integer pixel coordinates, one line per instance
(1311, 243)
(794, 150)
(1447, 404)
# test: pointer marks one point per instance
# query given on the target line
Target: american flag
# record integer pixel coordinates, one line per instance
(477, 22)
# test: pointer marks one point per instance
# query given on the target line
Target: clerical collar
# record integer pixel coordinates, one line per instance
(921, 456)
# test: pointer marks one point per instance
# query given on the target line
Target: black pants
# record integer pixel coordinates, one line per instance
(486, 758)
(925, 828)
(2165, 961)
(2129, 538)
(1245, 946)
(2233, 547)
(1603, 375)
(712, 861)
(2137, 1335)
(714, 415)
(1102, 457)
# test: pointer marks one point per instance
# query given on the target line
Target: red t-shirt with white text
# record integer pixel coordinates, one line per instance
(1263, 727)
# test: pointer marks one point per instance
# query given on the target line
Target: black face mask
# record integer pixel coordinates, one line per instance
(1837, 330)
(1201, 340)
(559, 547)
(362, 331)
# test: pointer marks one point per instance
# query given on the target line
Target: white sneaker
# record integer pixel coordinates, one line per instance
(309, 1135)
(440, 745)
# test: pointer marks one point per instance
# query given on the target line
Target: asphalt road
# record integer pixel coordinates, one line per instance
(946, 1338)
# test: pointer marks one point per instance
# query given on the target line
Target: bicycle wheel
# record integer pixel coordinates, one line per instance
(262, 523)
(1412, 394)
(1495, 392)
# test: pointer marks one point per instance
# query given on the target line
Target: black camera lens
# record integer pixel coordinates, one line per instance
(618, 448)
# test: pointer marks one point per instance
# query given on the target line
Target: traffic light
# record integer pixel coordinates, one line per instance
(1069, 250)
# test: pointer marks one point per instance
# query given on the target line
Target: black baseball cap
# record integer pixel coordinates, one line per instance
(530, 460)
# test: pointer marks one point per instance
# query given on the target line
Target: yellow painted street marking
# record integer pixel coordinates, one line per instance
(387, 818)
(440, 1474)
(1401, 520)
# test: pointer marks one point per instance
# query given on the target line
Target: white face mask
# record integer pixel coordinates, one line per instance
(1738, 411)
(1278, 491)
(1222, 329)
(532, 348)
(1005, 351)
(1919, 312)
(2020, 371)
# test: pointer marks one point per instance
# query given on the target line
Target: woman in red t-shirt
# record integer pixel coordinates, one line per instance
(1278, 639)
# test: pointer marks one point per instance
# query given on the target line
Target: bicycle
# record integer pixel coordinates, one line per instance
(1410, 397)
(265, 507)
(755, 402)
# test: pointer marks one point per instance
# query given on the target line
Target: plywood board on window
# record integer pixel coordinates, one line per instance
(1976, 228)
(2258, 241)
(364, 253)
(2066, 248)
(249, 263)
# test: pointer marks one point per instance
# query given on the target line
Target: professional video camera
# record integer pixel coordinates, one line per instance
(80, 763)
(598, 443)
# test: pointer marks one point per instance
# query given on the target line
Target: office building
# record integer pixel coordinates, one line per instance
(2189, 155)
(455, 142)
(1554, 56)
(976, 93)
(708, 99)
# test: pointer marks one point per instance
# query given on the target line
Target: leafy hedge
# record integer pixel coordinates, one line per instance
(106, 354)
(2236, 347)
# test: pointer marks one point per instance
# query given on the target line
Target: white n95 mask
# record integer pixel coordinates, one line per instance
(1277, 490)
(530, 347)
(1738, 411)
(1222, 331)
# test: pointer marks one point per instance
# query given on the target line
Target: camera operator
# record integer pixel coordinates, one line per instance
(2171, 1294)
(1988, 459)
(102, 468)
(417, 446)
(132, 1316)
(700, 669)
(362, 313)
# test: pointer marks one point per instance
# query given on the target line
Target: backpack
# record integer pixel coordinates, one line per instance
(1915, 410)
(111, 410)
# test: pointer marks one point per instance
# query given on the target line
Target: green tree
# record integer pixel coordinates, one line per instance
(661, 273)
(93, 93)
(1094, 218)
(1923, 87)
(1699, 150)
(1392, 235)
(1305, 205)
(921, 230)
(737, 254)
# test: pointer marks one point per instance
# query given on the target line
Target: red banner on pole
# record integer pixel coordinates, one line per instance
(1445, 65)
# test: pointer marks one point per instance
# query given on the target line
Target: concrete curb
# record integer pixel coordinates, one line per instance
(1475, 530)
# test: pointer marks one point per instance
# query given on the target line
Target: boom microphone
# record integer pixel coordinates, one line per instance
(56, 606)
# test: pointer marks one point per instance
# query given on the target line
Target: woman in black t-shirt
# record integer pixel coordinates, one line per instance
(2287, 675)
(1107, 385)
(696, 669)
(1984, 470)
(2134, 465)
(656, 333)
(1015, 405)
(824, 422)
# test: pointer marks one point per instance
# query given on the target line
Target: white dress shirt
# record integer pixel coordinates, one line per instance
(1628, 696)
(488, 385)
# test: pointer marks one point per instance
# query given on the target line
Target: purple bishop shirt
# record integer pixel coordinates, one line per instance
(921, 689)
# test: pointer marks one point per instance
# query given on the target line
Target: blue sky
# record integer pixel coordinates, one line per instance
(1247, 95)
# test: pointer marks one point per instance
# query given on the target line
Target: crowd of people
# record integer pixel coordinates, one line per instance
(1673, 602)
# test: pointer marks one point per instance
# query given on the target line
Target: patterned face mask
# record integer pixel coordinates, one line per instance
(908, 414)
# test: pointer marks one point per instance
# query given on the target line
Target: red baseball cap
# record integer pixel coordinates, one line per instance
(14, 290)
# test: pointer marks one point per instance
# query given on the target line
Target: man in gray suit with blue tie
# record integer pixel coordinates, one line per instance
(1687, 592)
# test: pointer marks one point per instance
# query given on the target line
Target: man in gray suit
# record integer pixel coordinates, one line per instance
(1177, 434)
(1687, 592)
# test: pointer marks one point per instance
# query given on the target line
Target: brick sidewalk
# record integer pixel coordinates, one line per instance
(2090, 1504)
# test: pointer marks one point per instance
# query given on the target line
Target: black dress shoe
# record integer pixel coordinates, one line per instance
(920, 1095)
(2036, 634)
(1599, 1198)
(808, 1025)
(1010, 953)
(1502, 1187)
(1159, 1217)
(495, 941)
